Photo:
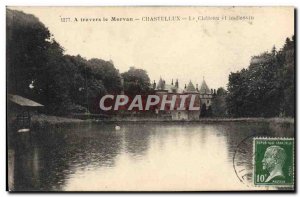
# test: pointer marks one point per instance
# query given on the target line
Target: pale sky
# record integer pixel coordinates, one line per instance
(187, 50)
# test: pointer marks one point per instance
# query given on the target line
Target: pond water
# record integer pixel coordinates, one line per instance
(139, 156)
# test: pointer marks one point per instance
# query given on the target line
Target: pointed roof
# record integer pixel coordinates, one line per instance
(190, 87)
(204, 88)
(160, 84)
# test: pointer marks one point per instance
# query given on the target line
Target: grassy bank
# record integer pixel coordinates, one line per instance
(40, 120)
(211, 120)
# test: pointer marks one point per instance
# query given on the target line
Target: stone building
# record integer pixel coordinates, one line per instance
(203, 97)
(206, 95)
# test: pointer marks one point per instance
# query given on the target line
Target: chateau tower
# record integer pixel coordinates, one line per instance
(206, 94)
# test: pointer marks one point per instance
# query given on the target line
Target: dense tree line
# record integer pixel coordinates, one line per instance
(266, 87)
(38, 69)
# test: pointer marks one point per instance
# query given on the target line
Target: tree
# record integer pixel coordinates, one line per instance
(53, 80)
(38, 69)
(237, 88)
(26, 46)
(35, 64)
(136, 81)
(266, 87)
(219, 108)
(87, 84)
(107, 73)
(287, 56)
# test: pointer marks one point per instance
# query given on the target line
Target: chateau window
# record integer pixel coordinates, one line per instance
(207, 101)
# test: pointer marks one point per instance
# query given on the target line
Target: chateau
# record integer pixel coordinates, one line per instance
(203, 97)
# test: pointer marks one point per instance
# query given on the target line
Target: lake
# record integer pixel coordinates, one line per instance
(139, 156)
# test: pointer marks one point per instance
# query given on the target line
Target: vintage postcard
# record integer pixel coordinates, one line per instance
(150, 98)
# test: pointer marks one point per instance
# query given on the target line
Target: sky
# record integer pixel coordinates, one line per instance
(183, 50)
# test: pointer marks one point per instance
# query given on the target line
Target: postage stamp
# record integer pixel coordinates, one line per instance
(273, 161)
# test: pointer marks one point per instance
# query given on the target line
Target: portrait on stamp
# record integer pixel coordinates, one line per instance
(273, 161)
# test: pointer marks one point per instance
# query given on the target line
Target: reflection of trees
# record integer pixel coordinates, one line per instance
(237, 131)
(282, 129)
(137, 139)
(94, 147)
(39, 164)
(25, 175)
(52, 157)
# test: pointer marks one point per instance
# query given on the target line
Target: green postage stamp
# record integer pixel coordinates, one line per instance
(273, 161)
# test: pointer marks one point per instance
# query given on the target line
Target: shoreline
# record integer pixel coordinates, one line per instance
(212, 120)
(43, 120)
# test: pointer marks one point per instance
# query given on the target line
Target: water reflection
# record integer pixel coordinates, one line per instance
(138, 156)
(136, 140)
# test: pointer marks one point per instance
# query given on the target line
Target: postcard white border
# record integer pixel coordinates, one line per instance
(3, 4)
